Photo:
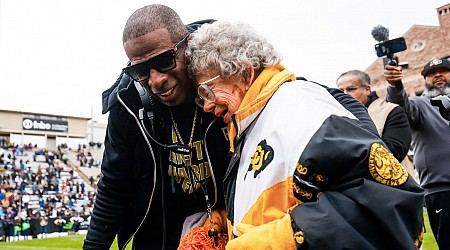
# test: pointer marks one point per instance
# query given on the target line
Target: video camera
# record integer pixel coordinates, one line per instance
(443, 102)
(386, 47)
(389, 47)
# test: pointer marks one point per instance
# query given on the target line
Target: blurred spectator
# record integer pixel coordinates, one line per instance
(2, 194)
(22, 165)
(1, 228)
(389, 118)
(26, 225)
(17, 227)
(25, 200)
(60, 222)
(76, 221)
(43, 223)
(8, 228)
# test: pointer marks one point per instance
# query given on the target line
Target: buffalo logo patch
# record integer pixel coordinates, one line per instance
(384, 168)
(260, 159)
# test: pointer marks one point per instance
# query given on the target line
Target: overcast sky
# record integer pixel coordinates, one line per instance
(57, 56)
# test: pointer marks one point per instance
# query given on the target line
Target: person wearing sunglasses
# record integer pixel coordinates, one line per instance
(305, 173)
(164, 157)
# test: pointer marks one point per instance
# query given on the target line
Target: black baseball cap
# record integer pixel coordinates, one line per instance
(435, 63)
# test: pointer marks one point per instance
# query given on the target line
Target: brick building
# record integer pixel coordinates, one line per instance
(424, 43)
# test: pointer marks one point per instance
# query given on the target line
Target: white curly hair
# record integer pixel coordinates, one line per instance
(229, 49)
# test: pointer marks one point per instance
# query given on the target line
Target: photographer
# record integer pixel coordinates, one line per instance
(429, 140)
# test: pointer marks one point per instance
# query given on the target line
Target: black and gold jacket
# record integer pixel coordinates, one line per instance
(351, 193)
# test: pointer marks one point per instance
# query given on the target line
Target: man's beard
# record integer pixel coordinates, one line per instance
(433, 91)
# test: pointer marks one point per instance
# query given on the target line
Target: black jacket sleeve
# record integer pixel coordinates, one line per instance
(362, 198)
(114, 187)
(355, 107)
(397, 133)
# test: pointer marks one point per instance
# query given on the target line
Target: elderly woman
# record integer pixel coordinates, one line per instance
(304, 173)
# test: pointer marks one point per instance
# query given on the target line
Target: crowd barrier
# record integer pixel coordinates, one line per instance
(35, 228)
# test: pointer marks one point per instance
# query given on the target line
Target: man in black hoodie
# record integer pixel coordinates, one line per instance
(163, 163)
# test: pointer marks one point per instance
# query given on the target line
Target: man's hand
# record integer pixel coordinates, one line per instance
(393, 74)
(277, 234)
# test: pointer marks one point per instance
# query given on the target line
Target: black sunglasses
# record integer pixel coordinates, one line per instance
(163, 63)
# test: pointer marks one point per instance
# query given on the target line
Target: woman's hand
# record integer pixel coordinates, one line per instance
(219, 221)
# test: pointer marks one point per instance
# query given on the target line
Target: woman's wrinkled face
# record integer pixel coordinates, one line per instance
(225, 94)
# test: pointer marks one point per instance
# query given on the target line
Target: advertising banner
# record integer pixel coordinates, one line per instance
(45, 123)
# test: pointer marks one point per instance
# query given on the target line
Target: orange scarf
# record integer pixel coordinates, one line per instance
(259, 94)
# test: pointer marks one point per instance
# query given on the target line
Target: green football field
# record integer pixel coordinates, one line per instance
(429, 243)
(64, 243)
(76, 242)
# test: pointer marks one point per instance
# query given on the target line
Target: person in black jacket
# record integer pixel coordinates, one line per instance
(163, 163)
(390, 119)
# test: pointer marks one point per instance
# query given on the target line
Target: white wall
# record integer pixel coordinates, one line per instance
(71, 142)
(38, 140)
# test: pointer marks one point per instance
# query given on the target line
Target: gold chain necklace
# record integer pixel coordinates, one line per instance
(175, 127)
(212, 232)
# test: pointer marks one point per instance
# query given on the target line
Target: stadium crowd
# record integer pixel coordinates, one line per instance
(38, 186)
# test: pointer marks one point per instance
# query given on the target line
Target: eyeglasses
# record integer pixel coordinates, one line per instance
(206, 92)
(163, 63)
(351, 89)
